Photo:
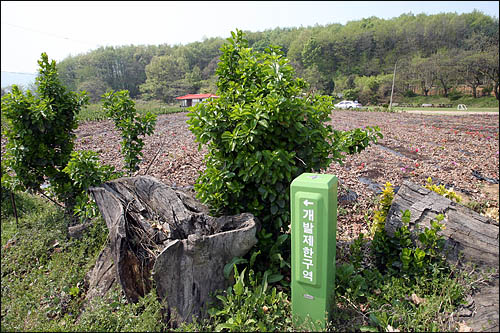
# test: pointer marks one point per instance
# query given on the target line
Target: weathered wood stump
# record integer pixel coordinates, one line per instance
(162, 232)
(470, 237)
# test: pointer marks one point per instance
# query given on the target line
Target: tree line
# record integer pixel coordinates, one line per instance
(442, 53)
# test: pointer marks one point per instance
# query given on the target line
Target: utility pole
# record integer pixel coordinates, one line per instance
(392, 90)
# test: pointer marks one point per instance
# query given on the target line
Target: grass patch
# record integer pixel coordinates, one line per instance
(42, 271)
(43, 287)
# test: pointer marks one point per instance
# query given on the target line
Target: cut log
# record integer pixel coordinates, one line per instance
(161, 233)
(468, 234)
(470, 237)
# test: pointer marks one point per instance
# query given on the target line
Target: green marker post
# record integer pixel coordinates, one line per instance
(314, 226)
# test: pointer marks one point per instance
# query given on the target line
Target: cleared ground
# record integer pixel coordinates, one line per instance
(453, 149)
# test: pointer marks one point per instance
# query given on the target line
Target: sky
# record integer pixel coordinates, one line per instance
(64, 28)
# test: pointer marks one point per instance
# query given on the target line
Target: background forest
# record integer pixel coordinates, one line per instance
(445, 54)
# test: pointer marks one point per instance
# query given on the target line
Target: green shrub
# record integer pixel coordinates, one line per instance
(409, 93)
(410, 287)
(351, 94)
(121, 109)
(85, 170)
(401, 254)
(40, 134)
(261, 133)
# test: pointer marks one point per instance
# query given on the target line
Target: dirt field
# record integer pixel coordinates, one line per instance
(460, 151)
(453, 150)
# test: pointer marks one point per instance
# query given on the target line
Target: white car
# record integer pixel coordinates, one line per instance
(348, 105)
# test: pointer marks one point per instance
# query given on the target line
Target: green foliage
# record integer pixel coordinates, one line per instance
(441, 190)
(40, 133)
(380, 214)
(319, 54)
(412, 287)
(43, 285)
(250, 305)
(43, 271)
(261, 133)
(117, 315)
(351, 94)
(481, 207)
(409, 93)
(425, 304)
(85, 171)
(402, 254)
(121, 108)
(43, 288)
(454, 95)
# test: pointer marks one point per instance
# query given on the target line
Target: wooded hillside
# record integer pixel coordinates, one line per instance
(433, 54)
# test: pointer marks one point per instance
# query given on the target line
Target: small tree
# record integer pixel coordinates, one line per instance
(40, 133)
(262, 132)
(121, 108)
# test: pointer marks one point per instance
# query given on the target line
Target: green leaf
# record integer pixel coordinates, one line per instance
(239, 285)
(228, 268)
(275, 278)
(254, 257)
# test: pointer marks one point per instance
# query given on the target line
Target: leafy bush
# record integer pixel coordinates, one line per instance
(411, 286)
(85, 171)
(401, 254)
(351, 94)
(261, 133)
(40, 134)
(121, 108)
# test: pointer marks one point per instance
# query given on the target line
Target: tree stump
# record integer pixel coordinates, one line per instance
(469, 236)
(161, 233)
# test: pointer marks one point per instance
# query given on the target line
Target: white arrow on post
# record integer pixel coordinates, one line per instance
(307, 203)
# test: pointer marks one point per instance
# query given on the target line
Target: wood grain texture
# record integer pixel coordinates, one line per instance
(162, 232)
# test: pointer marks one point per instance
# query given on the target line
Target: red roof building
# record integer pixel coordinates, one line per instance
(193, 99)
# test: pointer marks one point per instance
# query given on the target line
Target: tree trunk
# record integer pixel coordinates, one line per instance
(467, 233)
(162, 232)
(445, 87)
